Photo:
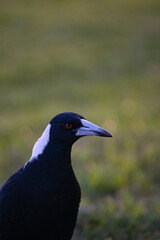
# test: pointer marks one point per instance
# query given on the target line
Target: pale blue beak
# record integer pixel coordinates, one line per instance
(89, 128)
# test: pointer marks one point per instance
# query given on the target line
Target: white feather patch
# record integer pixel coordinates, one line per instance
(41, 144)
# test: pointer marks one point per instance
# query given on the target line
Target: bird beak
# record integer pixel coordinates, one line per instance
(89, 128)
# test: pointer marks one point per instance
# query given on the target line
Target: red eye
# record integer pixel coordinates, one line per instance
(68, 125)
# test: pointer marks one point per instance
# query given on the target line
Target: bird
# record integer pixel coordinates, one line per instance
(41, 200)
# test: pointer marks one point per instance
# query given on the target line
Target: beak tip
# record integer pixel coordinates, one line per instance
(108, 135)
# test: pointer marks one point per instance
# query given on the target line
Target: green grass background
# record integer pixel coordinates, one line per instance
(100, 59)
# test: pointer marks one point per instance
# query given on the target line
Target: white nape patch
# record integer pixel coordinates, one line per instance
(41, 144)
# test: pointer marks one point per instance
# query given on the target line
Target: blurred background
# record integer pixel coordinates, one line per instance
(100, 59)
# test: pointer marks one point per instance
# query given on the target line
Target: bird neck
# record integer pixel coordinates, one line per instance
(56, 161)
(59, 154)
(56, 157)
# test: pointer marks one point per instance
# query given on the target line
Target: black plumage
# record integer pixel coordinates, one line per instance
(41, 200)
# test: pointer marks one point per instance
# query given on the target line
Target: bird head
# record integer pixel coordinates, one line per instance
(69, 127)
(66, 128)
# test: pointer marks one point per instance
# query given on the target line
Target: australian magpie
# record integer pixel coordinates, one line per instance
(41, 200)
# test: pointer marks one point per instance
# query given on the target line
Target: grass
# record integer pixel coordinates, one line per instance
(100, 59)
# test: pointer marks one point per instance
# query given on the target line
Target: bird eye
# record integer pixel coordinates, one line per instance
(68, 126)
